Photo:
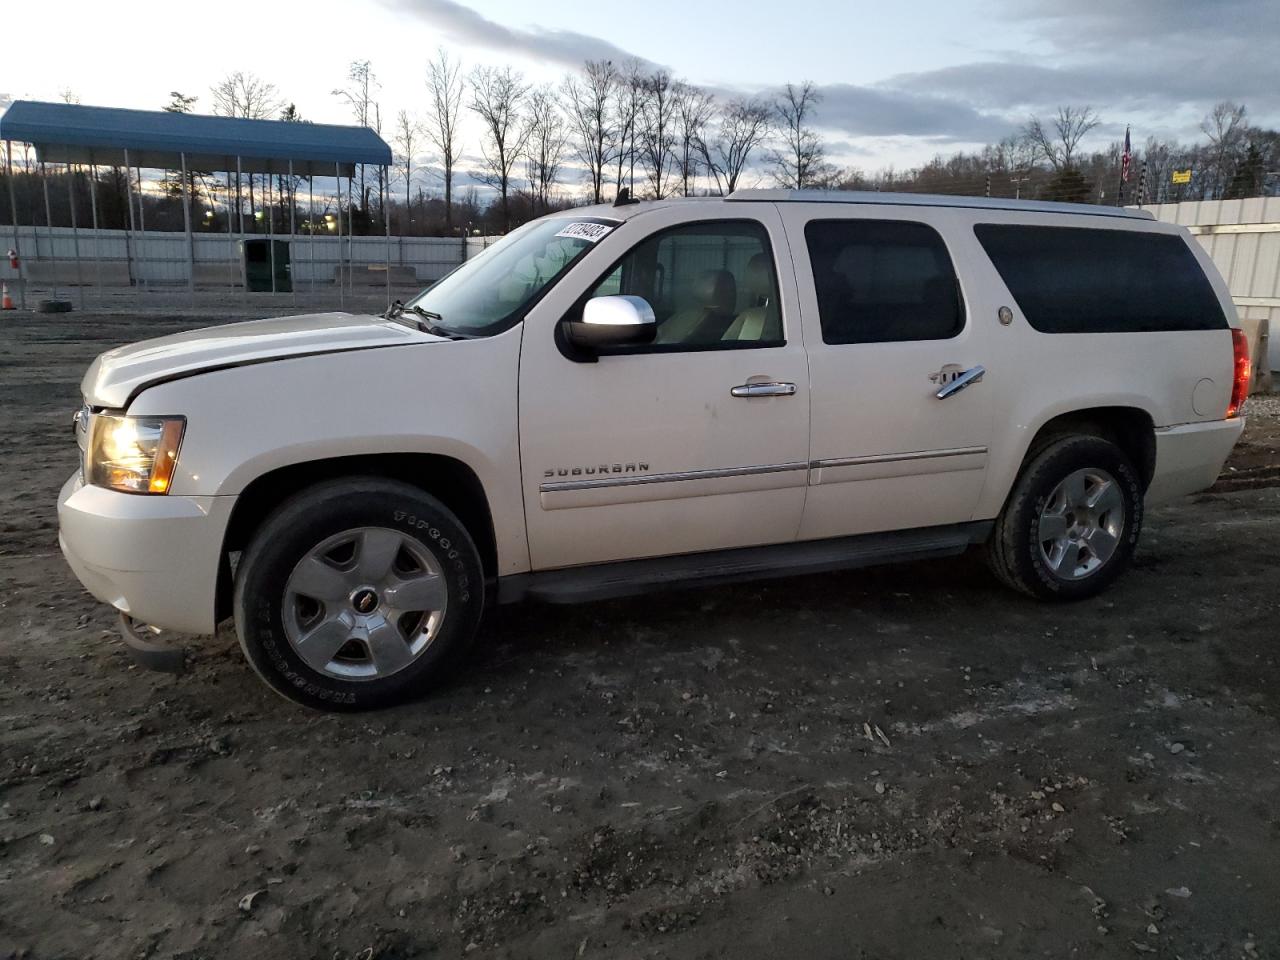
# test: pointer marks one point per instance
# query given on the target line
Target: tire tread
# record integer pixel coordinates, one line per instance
(1006, 551)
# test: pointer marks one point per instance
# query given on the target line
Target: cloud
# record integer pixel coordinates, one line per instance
(1157, 83)
(1154, 56)
(883, 111)
(1158, 63)
(1112, 26)
(565, 47)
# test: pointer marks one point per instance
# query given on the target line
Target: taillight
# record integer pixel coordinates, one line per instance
(1242, 371)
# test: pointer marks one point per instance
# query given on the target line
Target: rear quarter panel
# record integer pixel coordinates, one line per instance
(1044, 375)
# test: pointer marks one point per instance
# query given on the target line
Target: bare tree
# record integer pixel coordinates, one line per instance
(1017, 154)
(172, 182)
(798, 159)
(497, 97)
(694, 109)
(1059, 141)
(359, 96)
(656, 130)
(446, 89)
(628, 99)
(1228, 131)
(384, 173)
(744, 125)
(408, 132)
(288, 186)
(588, 100)
(246, 95)
(1161, 158)
(546, 145)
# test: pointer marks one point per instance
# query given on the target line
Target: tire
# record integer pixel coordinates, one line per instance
(358, 555)
(1050, 510)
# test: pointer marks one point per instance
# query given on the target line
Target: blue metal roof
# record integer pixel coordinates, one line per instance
(72, 133)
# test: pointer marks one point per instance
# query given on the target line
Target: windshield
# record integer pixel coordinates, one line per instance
(492, 292)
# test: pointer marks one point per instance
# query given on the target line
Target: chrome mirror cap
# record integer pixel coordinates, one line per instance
(612, 322)
(619, 311)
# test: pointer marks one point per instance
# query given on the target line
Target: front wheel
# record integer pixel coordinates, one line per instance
(357, 594)
(1072, 521)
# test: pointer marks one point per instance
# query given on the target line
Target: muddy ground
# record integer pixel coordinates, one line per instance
(910, 762)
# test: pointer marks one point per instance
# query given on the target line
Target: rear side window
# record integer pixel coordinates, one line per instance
(1079, 280)
(882, 280)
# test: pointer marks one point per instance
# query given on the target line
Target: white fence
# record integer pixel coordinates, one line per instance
(164, 258)
(1243, 238)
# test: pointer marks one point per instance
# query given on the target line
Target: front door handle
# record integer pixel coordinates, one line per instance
(966, 379)
(772, 388)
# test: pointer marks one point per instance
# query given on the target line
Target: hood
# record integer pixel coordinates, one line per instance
(118, 375)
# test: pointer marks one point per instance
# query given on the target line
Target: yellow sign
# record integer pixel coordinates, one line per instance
(1182, 176)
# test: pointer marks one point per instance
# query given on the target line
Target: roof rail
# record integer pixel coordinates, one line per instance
(937, 200)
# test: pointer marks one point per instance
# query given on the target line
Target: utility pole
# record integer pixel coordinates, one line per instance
(1017, 185)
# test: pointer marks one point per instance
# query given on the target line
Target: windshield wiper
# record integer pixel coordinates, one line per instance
(428, 320)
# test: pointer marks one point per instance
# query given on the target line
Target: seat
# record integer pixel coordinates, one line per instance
(715, 301)
(761, 321)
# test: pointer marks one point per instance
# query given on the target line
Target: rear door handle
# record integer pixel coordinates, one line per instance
(966, 379)
(772, 388)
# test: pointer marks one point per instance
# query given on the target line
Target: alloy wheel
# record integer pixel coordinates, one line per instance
(364, 604)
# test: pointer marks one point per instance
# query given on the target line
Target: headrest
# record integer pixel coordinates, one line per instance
(717, 292)
(759, 280)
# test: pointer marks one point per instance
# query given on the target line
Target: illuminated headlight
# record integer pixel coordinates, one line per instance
(133, 454)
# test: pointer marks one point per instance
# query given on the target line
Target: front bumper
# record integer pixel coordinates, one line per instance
(1190, 456)
(154, 558)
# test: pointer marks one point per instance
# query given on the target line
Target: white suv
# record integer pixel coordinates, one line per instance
(645, 395)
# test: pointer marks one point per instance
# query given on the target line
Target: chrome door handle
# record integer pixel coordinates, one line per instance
(966, 379)
(771, 388)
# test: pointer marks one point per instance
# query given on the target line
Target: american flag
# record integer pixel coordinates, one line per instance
(1125, 158)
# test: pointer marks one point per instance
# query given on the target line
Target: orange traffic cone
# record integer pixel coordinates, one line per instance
(6, 301)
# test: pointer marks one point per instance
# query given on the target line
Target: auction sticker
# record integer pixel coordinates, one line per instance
(585, 230)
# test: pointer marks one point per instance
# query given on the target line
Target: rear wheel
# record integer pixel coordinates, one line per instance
(1072, 521)
(357, 594)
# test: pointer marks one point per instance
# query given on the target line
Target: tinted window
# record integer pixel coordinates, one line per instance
(1075, 280)
(882, 280)
(711, 285)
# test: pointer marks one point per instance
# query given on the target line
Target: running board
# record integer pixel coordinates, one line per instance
(630, 577)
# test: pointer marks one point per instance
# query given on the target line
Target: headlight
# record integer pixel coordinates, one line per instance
(134, 454)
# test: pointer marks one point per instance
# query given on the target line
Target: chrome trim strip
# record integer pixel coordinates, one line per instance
(896, 457)
(787, 195)
(1212, 228)
(717, 474)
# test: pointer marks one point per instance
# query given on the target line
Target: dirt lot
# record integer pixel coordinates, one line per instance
(908, 762)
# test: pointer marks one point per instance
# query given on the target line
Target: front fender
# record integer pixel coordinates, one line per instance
(456, 399)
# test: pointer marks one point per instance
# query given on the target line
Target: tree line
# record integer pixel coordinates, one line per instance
(606, 127)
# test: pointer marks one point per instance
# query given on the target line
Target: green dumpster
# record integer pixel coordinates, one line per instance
(257, 253)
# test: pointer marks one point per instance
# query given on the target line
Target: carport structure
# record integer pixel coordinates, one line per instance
(133, 140)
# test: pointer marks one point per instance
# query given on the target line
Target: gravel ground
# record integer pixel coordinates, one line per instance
(908, 762)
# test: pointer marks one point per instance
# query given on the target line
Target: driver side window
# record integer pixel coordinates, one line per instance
(712, 286)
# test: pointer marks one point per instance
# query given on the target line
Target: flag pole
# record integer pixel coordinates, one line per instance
(1125, 159)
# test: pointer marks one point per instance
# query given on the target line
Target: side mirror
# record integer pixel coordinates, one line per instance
(613, 322)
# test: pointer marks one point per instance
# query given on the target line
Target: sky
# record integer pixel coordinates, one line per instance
(900, 81)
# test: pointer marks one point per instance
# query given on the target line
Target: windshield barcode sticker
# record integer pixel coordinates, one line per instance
(583, 230)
